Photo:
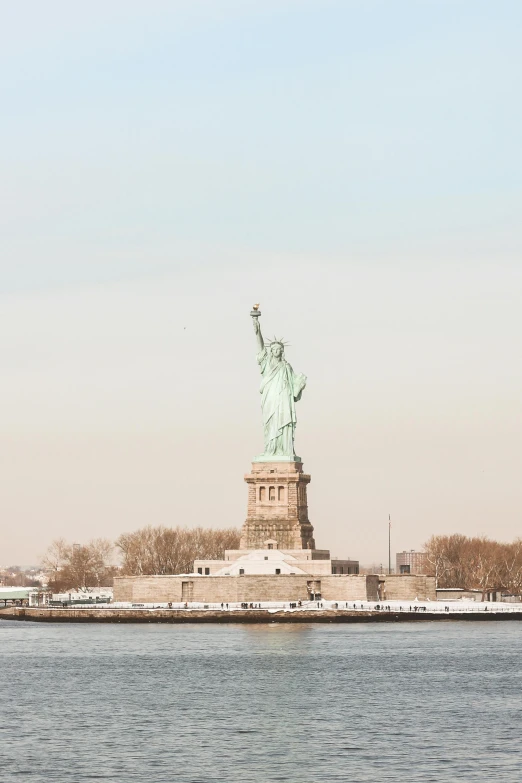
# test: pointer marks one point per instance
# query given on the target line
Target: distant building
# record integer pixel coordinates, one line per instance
(23, 596)
(412, 563)
(340, 566)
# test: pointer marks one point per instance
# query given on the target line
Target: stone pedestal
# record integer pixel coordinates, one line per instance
(277, 507)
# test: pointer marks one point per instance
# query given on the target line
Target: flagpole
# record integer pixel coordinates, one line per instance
(389, 543)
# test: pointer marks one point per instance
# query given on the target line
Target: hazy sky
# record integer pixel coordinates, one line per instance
(353, 165)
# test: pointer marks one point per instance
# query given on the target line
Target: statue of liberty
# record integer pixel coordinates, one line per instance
(280, 389)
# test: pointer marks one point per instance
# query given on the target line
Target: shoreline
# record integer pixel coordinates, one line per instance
(244, 616)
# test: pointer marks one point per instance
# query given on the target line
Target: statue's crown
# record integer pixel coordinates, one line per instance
(277, 341)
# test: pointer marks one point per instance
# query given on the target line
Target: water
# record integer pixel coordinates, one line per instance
(228, 703)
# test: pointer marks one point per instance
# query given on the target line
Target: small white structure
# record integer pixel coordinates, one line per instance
(263, 562)
(96, 595)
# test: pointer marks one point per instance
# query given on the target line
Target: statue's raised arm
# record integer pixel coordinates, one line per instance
(259, 336)
(280, 389)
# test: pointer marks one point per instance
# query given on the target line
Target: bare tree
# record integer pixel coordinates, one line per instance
(79, 566)
(483, 559)
(437, 557)
(511, 567)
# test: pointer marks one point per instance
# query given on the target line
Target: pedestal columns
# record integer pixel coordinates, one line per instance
(277, 507)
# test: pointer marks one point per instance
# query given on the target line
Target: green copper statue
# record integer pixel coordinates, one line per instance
(280, 389)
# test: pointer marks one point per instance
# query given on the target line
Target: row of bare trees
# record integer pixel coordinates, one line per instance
(150, 550)
(164, 550)
(476, 563)
(456, 560)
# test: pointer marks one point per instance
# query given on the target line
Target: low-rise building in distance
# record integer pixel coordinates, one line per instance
(98, 595)
(23, 596)
(344, 566)
(412, 562)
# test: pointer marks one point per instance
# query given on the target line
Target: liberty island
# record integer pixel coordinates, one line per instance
(277, 563)
(277, 559)
(277, 567)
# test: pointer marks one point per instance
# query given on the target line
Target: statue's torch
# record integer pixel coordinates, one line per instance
(255, 312)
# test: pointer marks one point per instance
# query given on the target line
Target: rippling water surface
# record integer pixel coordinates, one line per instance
(198, 703)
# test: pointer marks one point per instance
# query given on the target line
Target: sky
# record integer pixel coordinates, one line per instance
(353, 165)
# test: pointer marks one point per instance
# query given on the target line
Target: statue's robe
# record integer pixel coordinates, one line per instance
(280, 389)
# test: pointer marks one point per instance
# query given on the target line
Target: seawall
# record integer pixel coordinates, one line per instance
(176, 616)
